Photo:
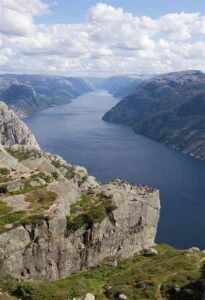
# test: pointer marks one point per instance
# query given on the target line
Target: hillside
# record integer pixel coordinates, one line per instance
(168, 108)
(171, 275)
(28, 94)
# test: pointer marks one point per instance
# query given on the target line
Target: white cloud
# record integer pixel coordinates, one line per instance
(111, 41)
(16, 16)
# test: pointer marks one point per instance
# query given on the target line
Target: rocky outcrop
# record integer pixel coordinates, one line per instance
(56, 219)
(13, 131)
(117, 220)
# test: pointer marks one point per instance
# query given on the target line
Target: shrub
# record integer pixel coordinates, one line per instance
(88, 210)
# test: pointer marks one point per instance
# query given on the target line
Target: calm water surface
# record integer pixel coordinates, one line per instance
(77, 132)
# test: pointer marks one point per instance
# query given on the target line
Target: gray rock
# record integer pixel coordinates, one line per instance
(13, 131)
(194, 249)
(112, 263)
(89, 296)
(188, 291)
(122, 297)
(48, 250)
(150, 252)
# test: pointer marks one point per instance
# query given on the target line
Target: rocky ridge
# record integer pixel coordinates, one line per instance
(56, 219)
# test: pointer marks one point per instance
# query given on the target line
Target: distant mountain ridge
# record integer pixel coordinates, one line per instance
(169, 108)
(28, 94)
(121, 85)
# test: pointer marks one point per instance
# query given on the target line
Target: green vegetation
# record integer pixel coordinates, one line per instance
(83, 179)
(55, 175)
(4, 171)
(7, 216)
(4, 175)
(70, 172)
(67, 170)
(23, 153)
(139, 278)
(40, 200)
(34, 219)
(26, 187)
(89, 209)
(56, 163)
(47, 178)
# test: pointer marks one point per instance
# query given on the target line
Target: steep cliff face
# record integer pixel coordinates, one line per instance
(13, 130)
(54, 248)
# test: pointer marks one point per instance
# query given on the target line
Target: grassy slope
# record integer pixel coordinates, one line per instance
(138, 277)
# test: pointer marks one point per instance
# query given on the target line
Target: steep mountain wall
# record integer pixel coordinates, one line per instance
(168, 108)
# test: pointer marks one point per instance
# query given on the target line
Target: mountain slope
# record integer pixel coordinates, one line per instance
(13, 131)
(121, 86)
(27, 94)
(168, 108)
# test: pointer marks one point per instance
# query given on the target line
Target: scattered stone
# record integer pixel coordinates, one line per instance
(177, 290)
(122, 297)
(89, 296)
(112, 263)
(150, 252)
(188, 291)
(194, 249)
(8, 226)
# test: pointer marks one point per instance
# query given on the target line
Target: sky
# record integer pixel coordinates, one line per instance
(101, 38)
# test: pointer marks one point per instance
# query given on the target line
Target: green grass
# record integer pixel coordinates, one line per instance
(26, 189)
(140, 278)
(56, 163)
(22, 153)
(69, 171)
(47, 178)
(7, 216)
(83, 180)
(91, 208)
(4, 171)
(4, 175)
(34, 219)
(40, 200)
